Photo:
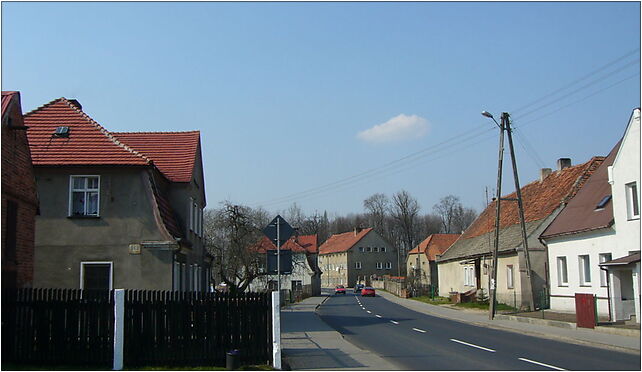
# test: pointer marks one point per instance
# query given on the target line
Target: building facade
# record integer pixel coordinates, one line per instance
(421, 265)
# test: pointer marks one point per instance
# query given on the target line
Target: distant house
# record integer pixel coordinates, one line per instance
(356, 257)
(19, 198)
(305, 276)
(464, 267)
(421, 262)
(118, 210)
(624, 178)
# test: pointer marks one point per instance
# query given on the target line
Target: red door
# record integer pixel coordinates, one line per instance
(585, 310)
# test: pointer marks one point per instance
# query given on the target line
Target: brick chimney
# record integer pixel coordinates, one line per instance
(563, 163)
(543, 173)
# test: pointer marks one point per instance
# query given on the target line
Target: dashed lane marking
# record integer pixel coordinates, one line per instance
(393, 322)
(472, 345)
(541, 364)
(419, 330)
(378, 316)
(369, 312)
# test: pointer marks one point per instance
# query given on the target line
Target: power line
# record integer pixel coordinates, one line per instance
(528, 149)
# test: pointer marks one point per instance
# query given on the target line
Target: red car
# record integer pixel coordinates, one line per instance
(368, 291)
(340, 290)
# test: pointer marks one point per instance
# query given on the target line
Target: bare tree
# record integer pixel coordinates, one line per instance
(428, 224)
(463, 218)
(405, 210)
(231, 232)
(454, 217)
(377, 206)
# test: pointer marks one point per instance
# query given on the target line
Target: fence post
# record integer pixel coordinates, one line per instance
(119, 328)
(276, 330)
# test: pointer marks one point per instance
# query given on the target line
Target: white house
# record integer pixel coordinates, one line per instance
(624, 177)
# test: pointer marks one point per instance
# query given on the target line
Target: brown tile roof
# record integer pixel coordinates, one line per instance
(173, 153)
(7, 96)
(342, 242)
(540, 198)
(580, 214)
(303, 243)
(435, 244)
(88, 142)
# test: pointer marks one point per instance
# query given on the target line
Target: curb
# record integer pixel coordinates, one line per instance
(546, 322)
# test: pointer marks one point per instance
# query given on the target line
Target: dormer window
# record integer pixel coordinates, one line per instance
(603, 202)
(62, 132)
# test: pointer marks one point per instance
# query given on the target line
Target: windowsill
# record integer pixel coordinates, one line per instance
(563, 285)
(635, 218)
(586, 285)
(83, 217)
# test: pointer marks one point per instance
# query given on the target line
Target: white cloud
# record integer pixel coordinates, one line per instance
(400, 128)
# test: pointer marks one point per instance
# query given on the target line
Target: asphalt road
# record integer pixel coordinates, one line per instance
(417, 341)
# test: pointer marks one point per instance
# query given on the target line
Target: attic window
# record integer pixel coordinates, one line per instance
(603, 202)
(62, 132)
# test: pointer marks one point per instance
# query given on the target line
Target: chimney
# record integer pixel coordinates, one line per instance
(563, 163)
(75, 103)
(357, 230)
(543, 173)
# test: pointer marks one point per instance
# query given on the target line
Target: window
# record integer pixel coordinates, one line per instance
(562, 272)
(509, 276)
(11, 225)
(379, 265)
(176, 280)
(632, 202)
(383, 249)
(469, 276)
(96, 275)
(191, 214)
(368, 249)
(603, 202)
(604, 257)
(360, 249)
(585, 270)
(376, 249)
(388, 265)
(84, 195)
(297, 285)
(357, 265)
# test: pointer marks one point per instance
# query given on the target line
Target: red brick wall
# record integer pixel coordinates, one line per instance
(18, 185)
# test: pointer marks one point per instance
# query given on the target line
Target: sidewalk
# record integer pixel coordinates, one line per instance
(534, 327)
(310, 344)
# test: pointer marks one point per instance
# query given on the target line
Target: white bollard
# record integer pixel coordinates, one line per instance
(276, 330)
(119, 328)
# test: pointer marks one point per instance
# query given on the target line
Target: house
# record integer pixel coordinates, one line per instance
(305, 276)
(19, 198)
(356, 257)
(117, 210)
(421, 263)
(464, 267)
(624, 272)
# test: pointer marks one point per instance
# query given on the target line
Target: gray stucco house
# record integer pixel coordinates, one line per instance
(117, 210)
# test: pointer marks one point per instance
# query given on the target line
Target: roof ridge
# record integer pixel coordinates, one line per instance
(159, 132)
(42, 106)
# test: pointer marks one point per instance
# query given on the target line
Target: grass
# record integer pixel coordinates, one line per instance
(484, 306)
(436, 301)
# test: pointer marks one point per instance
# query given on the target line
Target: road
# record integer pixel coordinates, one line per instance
(417, 341)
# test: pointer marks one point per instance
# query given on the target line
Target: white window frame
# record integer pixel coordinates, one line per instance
(379, 266)
(383, 249)
(469, 276)
(368, 249)
(604, 257)
(562, 276)
(632, 201)
(375, 249)
(388, 265)
(111, 271)
(361, 249)
(357, 265)
(510, 278)
(85, 190)
(584, 261)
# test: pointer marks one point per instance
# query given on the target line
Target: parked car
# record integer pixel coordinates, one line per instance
(358, 288)
(340, 289)
(368, 291)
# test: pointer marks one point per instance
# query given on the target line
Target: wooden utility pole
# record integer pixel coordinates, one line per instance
(504, 126)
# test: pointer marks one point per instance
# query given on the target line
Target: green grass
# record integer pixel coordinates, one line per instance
(484, 306)
(436, 301)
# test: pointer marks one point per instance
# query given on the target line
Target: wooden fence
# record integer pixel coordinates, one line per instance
(69, 327)
(57, 327)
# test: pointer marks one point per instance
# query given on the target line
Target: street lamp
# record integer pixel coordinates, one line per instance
(489, 115)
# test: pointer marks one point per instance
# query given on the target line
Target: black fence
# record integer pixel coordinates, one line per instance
(53, 327)
(66, 327)
(196, 329)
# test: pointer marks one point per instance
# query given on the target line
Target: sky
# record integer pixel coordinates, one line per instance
(325, 104)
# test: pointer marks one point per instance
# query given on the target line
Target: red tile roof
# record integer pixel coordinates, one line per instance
(540, 198)
(303, 243)
(173, 153)
(342, 242)
(7, 96)
(435, 244)
(88, 142)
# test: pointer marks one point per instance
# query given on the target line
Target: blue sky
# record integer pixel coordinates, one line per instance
(293, 98)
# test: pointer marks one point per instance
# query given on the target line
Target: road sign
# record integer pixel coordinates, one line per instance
(285, 265)
(285, 230)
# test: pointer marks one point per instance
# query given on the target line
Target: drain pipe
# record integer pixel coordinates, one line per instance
(608, 291)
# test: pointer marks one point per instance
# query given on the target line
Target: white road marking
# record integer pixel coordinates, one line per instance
(369, 312)
(393, 322)
(419, 330)
(378, 316)
(473, 345)
(541, 364)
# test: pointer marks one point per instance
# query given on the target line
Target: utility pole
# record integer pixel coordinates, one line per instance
(504, 126)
